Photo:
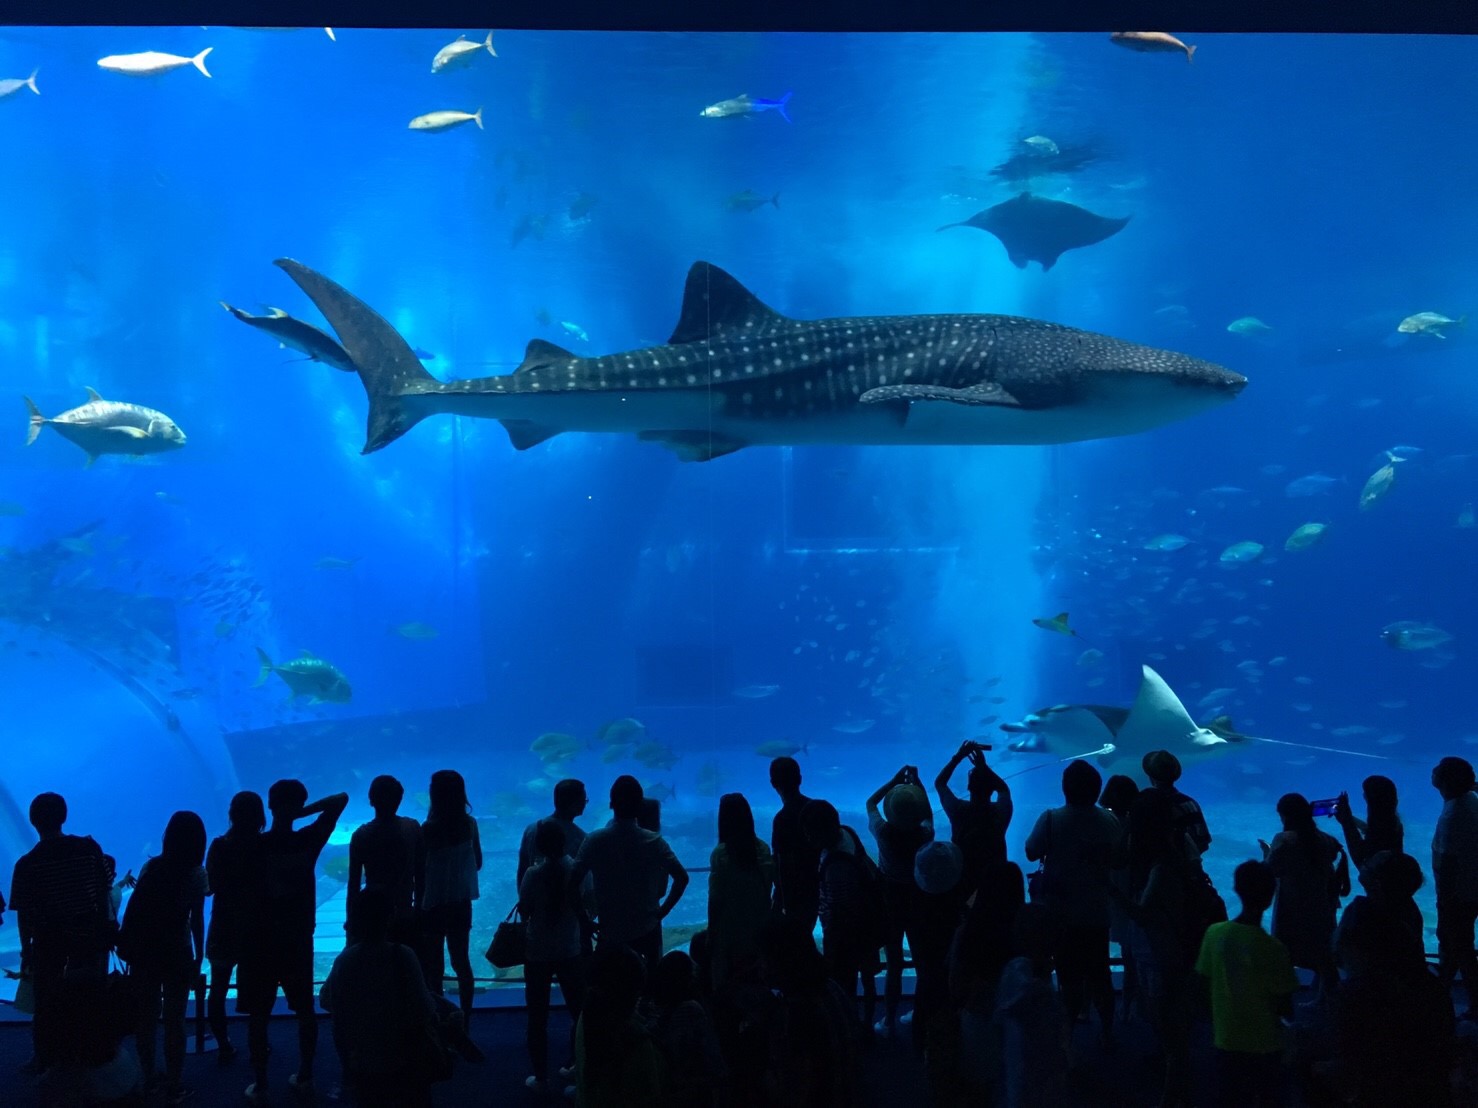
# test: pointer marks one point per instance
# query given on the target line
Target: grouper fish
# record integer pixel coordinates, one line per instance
(736, 373)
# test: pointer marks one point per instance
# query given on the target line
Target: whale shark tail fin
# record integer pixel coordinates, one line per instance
(388, 368)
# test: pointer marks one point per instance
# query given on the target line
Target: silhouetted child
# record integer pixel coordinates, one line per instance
(684, 1033)
(617, 1064)
(1251, 980)
(851, 934)
(813, 1029)
(1030, 1018)
(1313, 876)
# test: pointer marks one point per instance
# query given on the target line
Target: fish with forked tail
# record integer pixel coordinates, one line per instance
(744, 105)
(737, 373)
(110, 427)
(307, 675)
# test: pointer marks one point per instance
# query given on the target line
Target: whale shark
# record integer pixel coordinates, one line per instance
(737, 373)
(1119, 738)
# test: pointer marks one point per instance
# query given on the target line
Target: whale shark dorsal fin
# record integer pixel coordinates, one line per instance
(540, 353)
(714, 303)
(93, 396)
(1157, 721)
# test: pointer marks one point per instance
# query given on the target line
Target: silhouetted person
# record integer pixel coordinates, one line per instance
(982, 946)
(1030, 1020)
(1119, 794)
(617, 1065)
(1393, 1018)
(1455, 873)
(1163, 770)
(279, 951)
(1161, 945)
(900, 833)
(60, 894)
(235, 878)
(1381, 932)
(740, 878)
(389, 853)
(1252, 984)
(1380, 829)
(554, 943)
(453, 860)
(377, 996)
(649, 818)
(630, 867)
(684, 1033)
(796, 891)
(938, 876)
(1312, 878)
(978, 825)
(1075, 844)
(569, 805)
(813, 1030)
(163, 941)
(850, 929)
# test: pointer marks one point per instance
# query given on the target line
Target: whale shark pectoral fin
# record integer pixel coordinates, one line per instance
(693, 446)
(524, 433)
(987, 392)
(714, 303)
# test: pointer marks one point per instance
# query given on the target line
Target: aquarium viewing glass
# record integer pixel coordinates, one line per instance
(1294, 558)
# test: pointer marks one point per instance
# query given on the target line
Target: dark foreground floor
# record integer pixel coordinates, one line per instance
(892, 1074)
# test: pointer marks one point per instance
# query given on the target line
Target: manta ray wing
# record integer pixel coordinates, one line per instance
(1159, 721)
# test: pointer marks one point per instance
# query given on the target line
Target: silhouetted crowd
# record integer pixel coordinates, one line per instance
(1006, 965)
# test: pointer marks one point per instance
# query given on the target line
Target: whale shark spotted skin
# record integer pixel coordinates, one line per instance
(1118, 737)
(736, 373)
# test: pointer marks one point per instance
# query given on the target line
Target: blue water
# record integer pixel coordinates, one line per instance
(476, 597)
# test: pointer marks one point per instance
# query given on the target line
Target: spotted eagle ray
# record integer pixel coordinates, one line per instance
(737, 373)
(1119, 738)
(1034, 229)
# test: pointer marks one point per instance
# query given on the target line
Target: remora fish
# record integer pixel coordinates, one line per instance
(294, 334)
(110, 427)
(737, 373)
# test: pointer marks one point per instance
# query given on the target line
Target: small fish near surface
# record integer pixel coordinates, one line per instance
(110, 427)
(307, 675)
(151, 63)
(1151, 42)
(1306, 536)
(15, 84)
(780, 748)
(455, 55)
(1410, 635)
(744, 106)
(1034, 229)
(294, 334)
(750, 201)
(416, 631)
(710, 390)
(445, 120)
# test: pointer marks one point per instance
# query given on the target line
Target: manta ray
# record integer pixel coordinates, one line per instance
(737, 373)
(1034, 229)
(1119, 738)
